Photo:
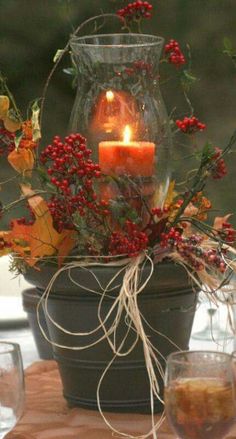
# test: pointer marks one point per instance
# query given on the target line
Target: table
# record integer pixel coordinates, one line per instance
(47, 416)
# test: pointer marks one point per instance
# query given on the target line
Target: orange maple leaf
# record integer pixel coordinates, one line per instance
(39, 240)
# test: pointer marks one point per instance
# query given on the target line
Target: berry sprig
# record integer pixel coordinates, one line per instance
(160, 212)
(145, 68)
(131, 241)
(190, 125)
(189, 248)
(136, 11)
(171, 238)
(174, 54)
(227, 233)
(72, 172)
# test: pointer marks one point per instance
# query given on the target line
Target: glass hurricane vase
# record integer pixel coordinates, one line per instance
(119, 109)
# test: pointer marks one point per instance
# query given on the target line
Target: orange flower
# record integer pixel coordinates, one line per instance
(27, 129)
(27, 138)
(22, 160)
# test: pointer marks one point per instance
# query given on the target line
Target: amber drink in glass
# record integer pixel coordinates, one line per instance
(199, 394)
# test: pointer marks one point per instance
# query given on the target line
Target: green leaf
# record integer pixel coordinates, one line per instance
(228, 44)
(70, 71)
(121, 211)
(35, 121)
(17, 138)
(207, 153)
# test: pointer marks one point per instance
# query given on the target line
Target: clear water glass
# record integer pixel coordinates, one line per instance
(199, 394)
(11, 386)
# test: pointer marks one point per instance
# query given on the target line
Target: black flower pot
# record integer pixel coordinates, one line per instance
(30, 299)
(167, 304)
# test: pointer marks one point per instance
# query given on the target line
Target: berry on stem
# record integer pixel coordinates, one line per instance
(174, 53)
(136, 10)
(190, 125)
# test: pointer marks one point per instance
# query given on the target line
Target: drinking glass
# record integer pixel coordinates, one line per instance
(11, 386)
(199, 394)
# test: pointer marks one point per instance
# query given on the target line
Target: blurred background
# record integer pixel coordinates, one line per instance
(32, 31)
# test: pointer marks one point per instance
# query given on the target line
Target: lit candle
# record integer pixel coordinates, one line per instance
(127, 157)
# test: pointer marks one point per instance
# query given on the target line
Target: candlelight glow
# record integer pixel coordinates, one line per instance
(127, 134)
(109, 96)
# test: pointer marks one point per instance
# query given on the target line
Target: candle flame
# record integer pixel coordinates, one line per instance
(127, 134)
(109, 96)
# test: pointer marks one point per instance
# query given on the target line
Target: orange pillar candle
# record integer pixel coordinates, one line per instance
(127, 157)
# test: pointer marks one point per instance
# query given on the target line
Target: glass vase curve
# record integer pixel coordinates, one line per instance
(119, 89)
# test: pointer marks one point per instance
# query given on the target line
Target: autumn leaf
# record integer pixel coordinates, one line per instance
(5, 238)
(66, 245)
(34, 242)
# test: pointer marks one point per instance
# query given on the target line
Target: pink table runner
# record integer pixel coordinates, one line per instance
(47, 416)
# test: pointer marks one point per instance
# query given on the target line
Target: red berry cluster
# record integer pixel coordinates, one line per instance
(171, 238)
(160, 212)
(140, 67)
(190, 125)
(174, 54)
(129, 242)
(227, 233)
(191, 251)
(72, 172)
(23, 221)
(219, 170)
(213, 257)
(7, 144)
(136, 10)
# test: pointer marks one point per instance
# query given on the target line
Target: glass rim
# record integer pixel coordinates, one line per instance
(154, 40)
(174, 356)
(9, 347)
